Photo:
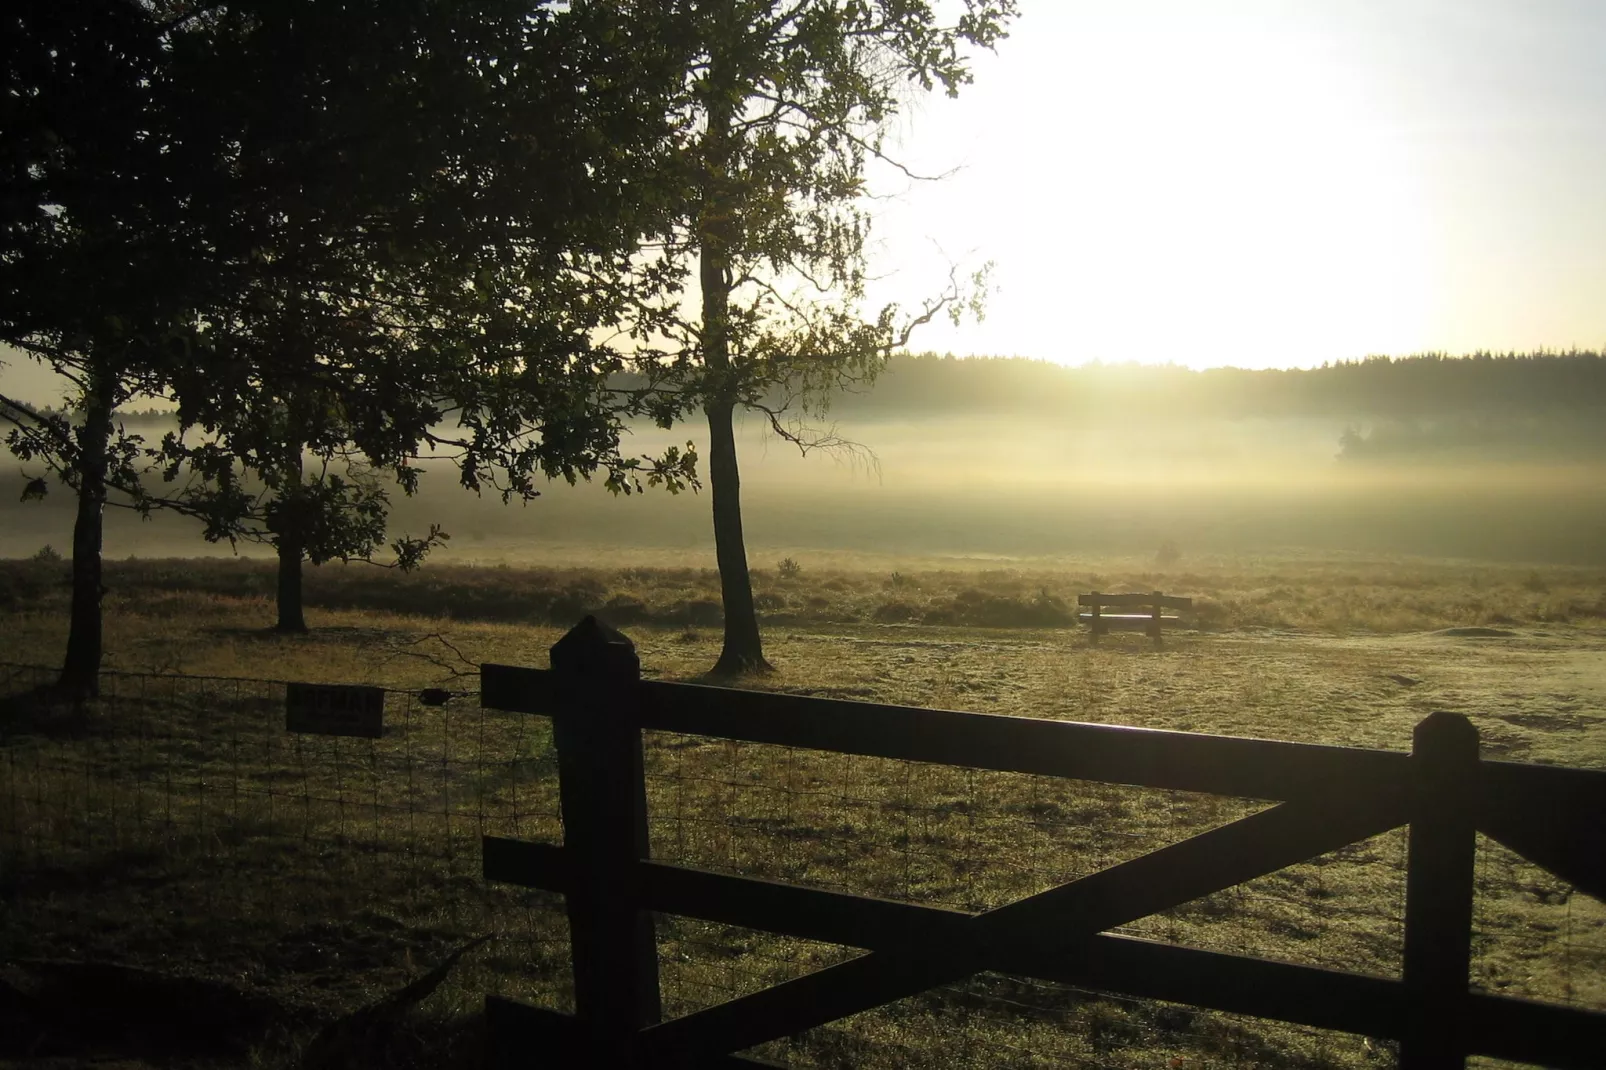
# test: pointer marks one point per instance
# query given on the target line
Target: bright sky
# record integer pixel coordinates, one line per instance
(1267, 184)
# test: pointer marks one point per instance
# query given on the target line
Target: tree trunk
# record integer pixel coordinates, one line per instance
(80, 673)
(744, 648)
(291, 543)
(291, 618)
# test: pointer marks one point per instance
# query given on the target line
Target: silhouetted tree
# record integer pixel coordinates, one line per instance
(784, 105)
(258, 489)
(96, 258)
(403, 204)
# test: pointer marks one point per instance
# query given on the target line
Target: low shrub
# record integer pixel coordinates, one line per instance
(895, 613)
(622, 610)
(981, 610)
(695, 612)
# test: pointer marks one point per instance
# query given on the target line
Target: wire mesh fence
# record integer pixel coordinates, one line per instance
(176, 821)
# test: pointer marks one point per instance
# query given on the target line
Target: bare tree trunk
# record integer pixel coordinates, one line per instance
(291, 618)
(291, 544)
(80, 672)
(744, 648)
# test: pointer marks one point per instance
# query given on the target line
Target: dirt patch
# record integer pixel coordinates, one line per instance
(1550, 722)
(1479, 633)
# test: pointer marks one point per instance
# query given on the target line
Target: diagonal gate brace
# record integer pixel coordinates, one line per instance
(1063, 918)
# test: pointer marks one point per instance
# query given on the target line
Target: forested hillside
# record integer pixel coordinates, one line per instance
(1388, 388)
(1431, 407)
(1378, 387)
(1544, 407)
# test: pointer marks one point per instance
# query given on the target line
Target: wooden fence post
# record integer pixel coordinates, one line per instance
(1438, 892)
(1157, 609)
(1093, 618)
(604, 804)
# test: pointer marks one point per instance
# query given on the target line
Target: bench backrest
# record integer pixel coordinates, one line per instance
(1115, 601)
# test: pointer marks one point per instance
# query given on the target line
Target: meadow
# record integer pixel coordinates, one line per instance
(311, 875)
(1363, 545)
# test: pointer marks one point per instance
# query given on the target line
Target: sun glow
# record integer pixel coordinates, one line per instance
(1190, 191)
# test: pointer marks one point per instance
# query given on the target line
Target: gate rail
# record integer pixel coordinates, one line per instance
(1327, 797)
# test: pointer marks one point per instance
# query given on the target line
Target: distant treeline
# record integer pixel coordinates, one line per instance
(145, 417)
(151, 417)
(1410, 388)
(1382, 388)
(1484, 406)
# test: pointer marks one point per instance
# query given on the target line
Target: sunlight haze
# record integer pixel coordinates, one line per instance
(1252, 184)
(1265, 185)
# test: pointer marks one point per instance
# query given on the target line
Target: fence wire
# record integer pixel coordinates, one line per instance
(175, 822)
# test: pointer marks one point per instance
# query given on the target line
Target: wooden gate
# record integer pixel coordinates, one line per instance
(1327, 797)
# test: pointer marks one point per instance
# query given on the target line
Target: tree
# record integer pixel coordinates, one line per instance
(95, 253)
(784, 107)
(402, 204)
(256, 488)
(474, 299)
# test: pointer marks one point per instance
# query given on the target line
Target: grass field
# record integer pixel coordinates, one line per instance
(182, 831)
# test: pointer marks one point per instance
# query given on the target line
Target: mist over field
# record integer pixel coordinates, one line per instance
(1503, 460)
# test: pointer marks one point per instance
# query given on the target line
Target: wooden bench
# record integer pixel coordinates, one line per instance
(1151, 620)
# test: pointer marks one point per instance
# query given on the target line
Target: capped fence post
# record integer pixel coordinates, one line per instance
(604, 803)
(1438, 892)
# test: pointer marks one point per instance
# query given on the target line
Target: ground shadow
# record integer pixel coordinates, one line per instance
(63, 1009)
(45, 710)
